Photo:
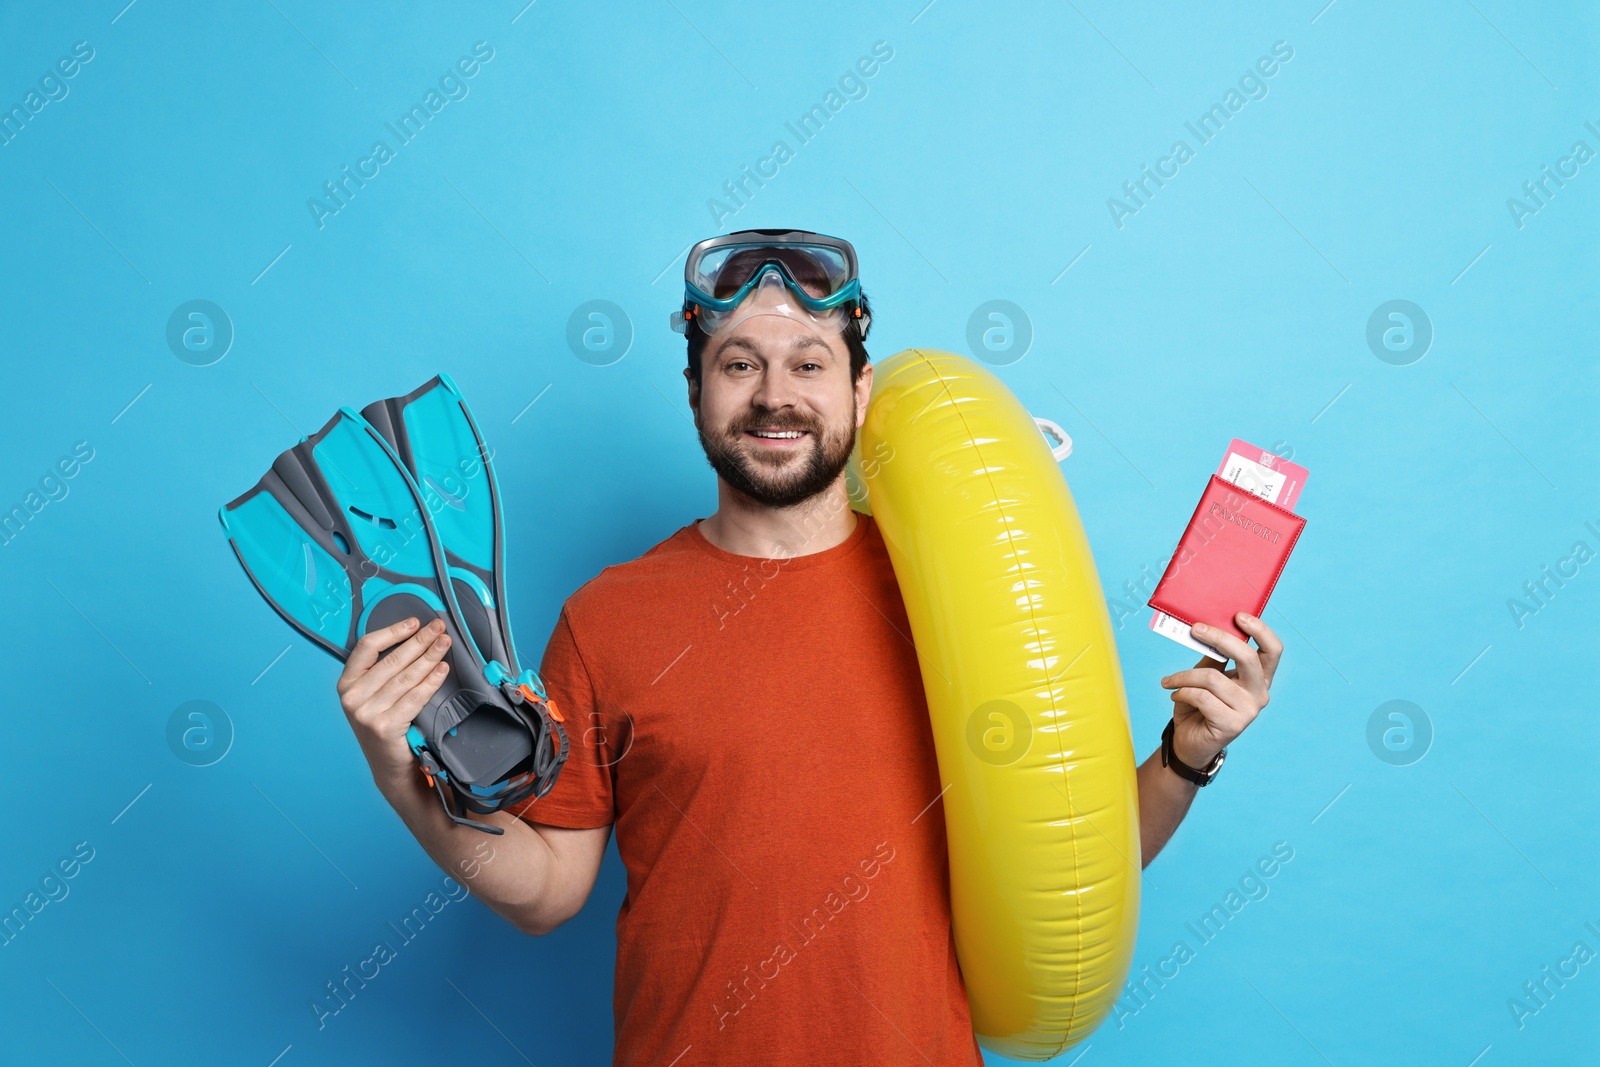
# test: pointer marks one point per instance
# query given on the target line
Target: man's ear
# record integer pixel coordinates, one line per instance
(694, 390)
(863, 394)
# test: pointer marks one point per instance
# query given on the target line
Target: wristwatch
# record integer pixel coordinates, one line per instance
(1169, 758)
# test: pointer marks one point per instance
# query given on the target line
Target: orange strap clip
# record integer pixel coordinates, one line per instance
(533, 698)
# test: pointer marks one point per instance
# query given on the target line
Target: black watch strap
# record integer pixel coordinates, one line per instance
(1169, 758)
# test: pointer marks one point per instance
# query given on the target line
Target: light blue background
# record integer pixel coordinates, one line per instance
(977, 167)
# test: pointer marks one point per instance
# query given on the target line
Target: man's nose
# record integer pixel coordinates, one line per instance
(774, 391)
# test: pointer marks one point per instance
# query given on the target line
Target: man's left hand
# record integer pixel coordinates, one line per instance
(1212, 706)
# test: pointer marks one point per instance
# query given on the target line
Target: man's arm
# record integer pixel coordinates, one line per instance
(1210, 708)
(1164, 800)
(534, 877)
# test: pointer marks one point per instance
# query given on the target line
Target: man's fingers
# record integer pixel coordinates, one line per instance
(1222, 640)
(403, 681)
(1271, 646)
(372, 645)
(1216, 711)
(400, 714)
(359, 688)
(1243, 654)
(1207, 678)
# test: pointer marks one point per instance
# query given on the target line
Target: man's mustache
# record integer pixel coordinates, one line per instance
(772, 424)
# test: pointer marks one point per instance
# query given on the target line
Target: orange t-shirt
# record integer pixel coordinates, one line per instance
(756, 729)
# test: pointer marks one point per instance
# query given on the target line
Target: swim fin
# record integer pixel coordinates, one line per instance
(392, 514)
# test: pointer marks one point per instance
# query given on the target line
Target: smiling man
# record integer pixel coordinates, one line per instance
(767, 761)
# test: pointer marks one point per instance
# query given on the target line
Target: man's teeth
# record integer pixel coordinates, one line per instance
(778, 433)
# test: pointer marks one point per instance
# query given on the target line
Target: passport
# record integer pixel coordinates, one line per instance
(1229, 558)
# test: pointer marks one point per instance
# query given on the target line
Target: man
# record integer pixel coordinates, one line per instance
(744, 706)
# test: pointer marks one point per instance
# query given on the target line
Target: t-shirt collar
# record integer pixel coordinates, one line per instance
(798, 562)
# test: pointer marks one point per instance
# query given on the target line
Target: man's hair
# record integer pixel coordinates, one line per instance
(854, 342)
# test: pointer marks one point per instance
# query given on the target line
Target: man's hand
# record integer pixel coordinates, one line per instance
(1212, 706)
(380, 697)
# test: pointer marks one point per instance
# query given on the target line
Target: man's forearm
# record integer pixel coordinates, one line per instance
(513, 873)
(1164, 799)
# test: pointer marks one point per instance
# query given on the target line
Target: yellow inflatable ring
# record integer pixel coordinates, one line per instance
(1030, 722)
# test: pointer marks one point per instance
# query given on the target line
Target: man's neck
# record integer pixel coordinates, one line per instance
(746, 528)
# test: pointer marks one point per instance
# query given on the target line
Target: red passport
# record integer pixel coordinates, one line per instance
(1228, 559)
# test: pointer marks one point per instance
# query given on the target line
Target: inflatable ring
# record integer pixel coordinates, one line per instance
(1024, 690)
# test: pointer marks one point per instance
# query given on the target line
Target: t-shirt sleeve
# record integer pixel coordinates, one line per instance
(581, 798)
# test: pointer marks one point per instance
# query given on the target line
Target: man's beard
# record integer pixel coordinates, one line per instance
(820, 468)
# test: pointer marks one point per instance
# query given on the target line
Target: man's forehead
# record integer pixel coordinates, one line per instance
(795, 343)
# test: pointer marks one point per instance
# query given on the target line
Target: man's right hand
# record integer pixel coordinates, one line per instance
(534, 876)
(381, 694)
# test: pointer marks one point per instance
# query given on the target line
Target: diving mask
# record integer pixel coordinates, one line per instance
(807, 277)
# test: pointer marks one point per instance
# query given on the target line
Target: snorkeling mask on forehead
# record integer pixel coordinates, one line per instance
(807, 277)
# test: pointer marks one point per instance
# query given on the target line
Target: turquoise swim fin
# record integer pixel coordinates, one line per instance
(391, 514)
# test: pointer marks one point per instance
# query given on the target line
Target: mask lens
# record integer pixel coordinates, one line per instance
(771, 296)
(818, 269)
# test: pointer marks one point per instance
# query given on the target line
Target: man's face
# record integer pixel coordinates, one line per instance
(776, 410)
